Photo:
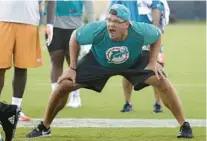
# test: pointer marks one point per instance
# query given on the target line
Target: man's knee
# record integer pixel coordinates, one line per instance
(57, 58)
(162, 85)
(65, 86)
(20, 71)
(126, 83)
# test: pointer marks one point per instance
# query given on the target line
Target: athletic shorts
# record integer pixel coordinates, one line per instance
(93, 76)
(161, 55)
(61, 38)
(19, 45)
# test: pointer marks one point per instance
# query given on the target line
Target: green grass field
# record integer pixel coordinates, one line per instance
(186, 68)
(114, 134)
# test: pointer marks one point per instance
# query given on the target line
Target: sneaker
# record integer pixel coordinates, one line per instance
(71, 100)
(75, 102)
(127, 108)
(185, 131)
(157, 108)
(23, 117)
(39, 131)
(8, 119)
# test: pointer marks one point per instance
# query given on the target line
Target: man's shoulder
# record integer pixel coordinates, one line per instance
(140, 26)
(99, 30)
(94, 25)
(97, 26)
(137, 26)
(91, 32)
(99, 23)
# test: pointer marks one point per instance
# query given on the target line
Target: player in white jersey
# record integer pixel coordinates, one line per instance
(20, 42)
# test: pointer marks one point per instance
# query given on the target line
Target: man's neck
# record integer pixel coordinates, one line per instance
(123, 36)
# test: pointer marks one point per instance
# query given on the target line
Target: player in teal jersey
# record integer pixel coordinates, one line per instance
(116, 50)
(154, 12)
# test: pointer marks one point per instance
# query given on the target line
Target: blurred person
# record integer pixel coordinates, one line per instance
(42, 7)
(9, 115)
(20, 44)
(154, 12)
(116, 50)
(69, 16)
(42, 14)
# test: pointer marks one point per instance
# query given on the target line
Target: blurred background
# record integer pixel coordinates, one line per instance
(180, 10)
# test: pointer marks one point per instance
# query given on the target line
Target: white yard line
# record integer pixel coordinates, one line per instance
(114, 123)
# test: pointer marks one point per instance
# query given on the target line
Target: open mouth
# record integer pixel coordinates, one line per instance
(112, 30)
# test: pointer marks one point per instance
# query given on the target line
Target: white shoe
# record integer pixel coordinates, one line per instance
(23, 117)
(70, 103)
(75, 102)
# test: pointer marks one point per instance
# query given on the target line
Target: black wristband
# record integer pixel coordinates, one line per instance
(72, 68)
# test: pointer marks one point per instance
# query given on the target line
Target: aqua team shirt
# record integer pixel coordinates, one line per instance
(117, 54)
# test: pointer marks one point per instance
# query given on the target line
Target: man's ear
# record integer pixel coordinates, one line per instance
(127, 24)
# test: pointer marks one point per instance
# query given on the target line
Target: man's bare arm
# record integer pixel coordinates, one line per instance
(156, 17)
(154, 50)
(51, 7)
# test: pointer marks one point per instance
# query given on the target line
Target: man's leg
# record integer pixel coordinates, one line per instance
(60, 94)
(74, 100)
(161, 60)
(157, 106)
(2, 78)
(57, 60)
(172, 102)
(127, 88)
(57, 102)
(56, 52)
(27, 54)
(19, 83)
(8, 112)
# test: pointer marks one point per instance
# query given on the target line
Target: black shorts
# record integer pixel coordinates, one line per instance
(93, 76)
(61, 38)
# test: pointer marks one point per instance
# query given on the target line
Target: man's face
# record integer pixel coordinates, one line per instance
(116, 27)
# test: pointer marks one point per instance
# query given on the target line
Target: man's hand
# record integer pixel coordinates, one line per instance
(69, 74)
(49, 32)
(158, 70)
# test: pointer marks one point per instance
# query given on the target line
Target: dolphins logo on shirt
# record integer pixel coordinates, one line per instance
(117, 55)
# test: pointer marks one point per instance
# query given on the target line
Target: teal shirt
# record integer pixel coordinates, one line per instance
(69, 8)
(117, 54)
